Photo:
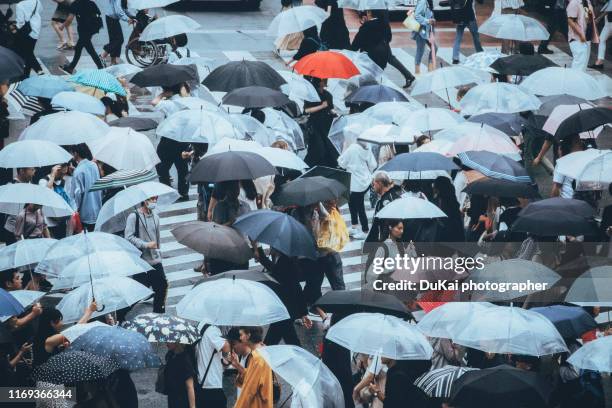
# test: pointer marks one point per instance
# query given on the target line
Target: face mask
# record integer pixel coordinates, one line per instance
(151, 205)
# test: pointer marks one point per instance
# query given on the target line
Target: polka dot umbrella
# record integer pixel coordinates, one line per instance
(73, 366)
(130, 349)
(161, 328)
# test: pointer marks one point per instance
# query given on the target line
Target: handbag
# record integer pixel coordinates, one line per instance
(411, 23)
(26, 29)
(276, 388)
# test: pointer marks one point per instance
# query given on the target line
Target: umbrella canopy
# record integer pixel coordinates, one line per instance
(314, 385)
(12, 65)
(28, 105)
(296, 19)
(204, 65)
(281, 231)
(214, 240)
(515, 27)
(504, 329)
(123, 178)
(326, 64)
(482, 60)
(165, 75)
(76, 330)
(248, 274)
(9, 306)
(363, 5)
(483, 140)
(129, 349)
(572, 322)
(592, 288)
(78, 101)
(27, 297)
(591, 169)
(440, 146)
(73, 366)
(583, 121)
(125, 149)
(24, 252)
(553, 223)
(111, 294)
(355, 301)
(503, 386)
(122, 70)
(45, 86)
(240, 74)
(282, 158)
(594, 355)
(375, 94)
(419, 161)
(456, 132)
(113, 214)
(549, 103)
(284, 128)
(197, 126)
(345, 129)
(380, 335)
(446, 77)
(233, 145)
(520, 64)
(410, 208)
(389, 134)
(309, 190)
(13, 197)
(255, 97)
(498, 97)
(390, 112)
(193, 103)
(447, 321)
(99, 79)
(169, 26)
(149, 4)
(163, 328)
(563, 81)
(252, 129)
(502, 188)
(339, 175)
(232, 302)
(438, 383)
(32, 153)
(136, 123)
(495, 166)
(298, 88)
(432, 119)
(569, 205)
(231, 166)
(83, 128)
(509, 123)
(560, 113)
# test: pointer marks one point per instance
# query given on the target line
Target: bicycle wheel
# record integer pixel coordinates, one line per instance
(141, 53)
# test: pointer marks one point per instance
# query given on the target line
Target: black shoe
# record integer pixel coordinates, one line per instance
(545, 50)
(66, 69)
(182, 199)
(409, 82)
(455, 61)
(599, 67)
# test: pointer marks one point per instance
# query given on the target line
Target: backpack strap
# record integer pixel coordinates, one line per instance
(204, 328)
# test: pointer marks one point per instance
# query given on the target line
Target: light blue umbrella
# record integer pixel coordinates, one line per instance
(78, 101)
(44, 86)
(99, 79)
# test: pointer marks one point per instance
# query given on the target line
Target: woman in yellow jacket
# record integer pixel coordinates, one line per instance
(257, 389)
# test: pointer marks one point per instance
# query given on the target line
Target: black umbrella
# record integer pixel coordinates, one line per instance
(502, 188)
(375, 94)
(419, 161)
(309, 190)
(509, 123)
(342, 176)
(240, 74)
(73, 366)
(12, 65)
(554, 222)
(571, 321)
(231, 166)
(281, 231)
(355, 301)
(166, 75)
(256, 97)
(583, 121)
(568, 205)
(495, 166)
(501, 387)
(135, 122)
(521, 64)
(549, 103)
(252, 275)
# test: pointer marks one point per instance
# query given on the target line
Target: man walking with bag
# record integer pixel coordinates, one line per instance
(28, 23)
(89, 23)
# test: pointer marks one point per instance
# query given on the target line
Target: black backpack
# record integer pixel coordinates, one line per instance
(458, 4)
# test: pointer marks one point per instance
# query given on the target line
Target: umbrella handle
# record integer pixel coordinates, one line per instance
(100, 310)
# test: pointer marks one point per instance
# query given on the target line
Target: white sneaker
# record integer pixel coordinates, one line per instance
(352, 231)
(360, 235)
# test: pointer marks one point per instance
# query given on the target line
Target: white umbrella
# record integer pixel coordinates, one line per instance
(427, 119)
(591, 168)
(226, 144)
(122, 70)
(444, 78)
(32, 153)
(111, 294)
(232, 302)
(363, 5)
(193, 103)
(78, 101)
(390, 112)
(447, 321)
(441, 146)
(169, 26)
(74, 331)
(563, 81)
(297, 88)
(114, 212)
(454, 133)
(66, 128)
(149, 4)
(482, 60)
(27, 297)
(380, 335)
(24, 252)
(296, 19)
(514, 27)
(282, 126)
(562, 112)
(345, 130)
(363, 62)
(484, 141)
(595, 355)
(125, 149)
(410, 208)
(389, 134)
(498, 97)
(282, 158)
(314, 385)
(512, 330)
(252, 128)
(13, 197)
(192, 126)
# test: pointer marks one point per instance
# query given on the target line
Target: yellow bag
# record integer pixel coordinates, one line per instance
(333, 233)
(411, 23)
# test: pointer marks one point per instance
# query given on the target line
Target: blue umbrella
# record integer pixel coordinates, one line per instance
(9, 306)
(129, 349)
(78, 101)
(571, 321)
(495, 166)
(45, 86)
(99, 79)
(419, 161)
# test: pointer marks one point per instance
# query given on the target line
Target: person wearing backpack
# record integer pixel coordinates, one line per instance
(208, 349)
(463, 15)
(89, 23)
(28, 24)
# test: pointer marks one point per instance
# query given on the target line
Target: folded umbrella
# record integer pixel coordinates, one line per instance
(356, 301)
(494, 165)
(281, 231)
(498, 97)
(375, 94)
(520, 64)
(123, 178)
(509, 123)
(9, 306)
(255, 97)
(76, 330)
(421, 161)
(169, 26)
(410, 208)
(563, 81)
(594, 355)
(231, 166)
(295, 20)
(571, 321)
(12, 65)
(438, 383)
(165, 75)
(136, 123)
(163, 328)
(592, 288)
(240, 74)
(32, 153)
(515, 27)
(99, 79)
(428, 119)
(447, 321)
(583, 121)
(13, 197)
(591, 169)
(326, 64)
(482, 60)
(502, 188)
(78, 101)
(45, 86)
(214, 240)
(24, 252)
(83, 128)
(197, 126)
(309, 190)
(74, 366)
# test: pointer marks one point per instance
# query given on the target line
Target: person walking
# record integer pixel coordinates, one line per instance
(114, 14)
(333, 30)
(557, 22)
(311, 43)
(579, 19)
(55, 181)
(86, 173)
(179, 376)
(89, 23)
(387, 191)
(62, 11)
(28, 23)
(320, 116)
(464, 17)
(209, 366)
(372, 38)
(290, 41)
(142, 230)
(393, 61)
(606, 32)
(425, 17)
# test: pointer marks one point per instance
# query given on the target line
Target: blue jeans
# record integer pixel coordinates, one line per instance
(421, 42)
(473, 27)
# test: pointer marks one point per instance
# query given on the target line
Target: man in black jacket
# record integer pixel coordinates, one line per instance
(89, 22)
(393, 61)
(400, 389)
(464, 16)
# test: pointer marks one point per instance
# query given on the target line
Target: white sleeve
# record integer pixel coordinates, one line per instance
(214, 336)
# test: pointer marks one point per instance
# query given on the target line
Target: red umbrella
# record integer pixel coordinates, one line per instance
(326, 64)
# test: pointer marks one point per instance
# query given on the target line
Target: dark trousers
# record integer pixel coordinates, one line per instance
(312, 274)
(395, 63)
(115, 37)
(357, 209)
(85, 42)
(283, 330)
(59, 231)
(163, 171)
(89, 227)
(25, 49)
(156, 280)
(210, 397)
(558, 22)
(331, 265)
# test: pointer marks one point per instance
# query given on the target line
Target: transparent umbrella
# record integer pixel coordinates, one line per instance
(563, 81)
(345, 130)
(447, 320)
(193, 103)
(298, 89)
(32, 153)
(284, 128)
(125, 149)
(296, 19)
(428, 119)
(13, 197)
(444, 78)
(591, 168)
(169, 26)
(482, 60)
(193, 126)
(595, 355)
(456, 132)
(515, 27)
(24, 252)
(252, 129)
(498, 97)
(482, 140)
(83, 128)
(390, 112)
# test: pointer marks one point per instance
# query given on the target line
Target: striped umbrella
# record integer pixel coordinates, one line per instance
(495, 166)
(123, 178)
(438, 383)
(99, 79)
(28, 105)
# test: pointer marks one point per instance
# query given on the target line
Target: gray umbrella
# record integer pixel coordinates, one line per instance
(137, 123)
(12, 65)
(549, 103)
(255, 97)
(509, 123)
(592, 288)
(419, 161)
(239, 74)
(231, 166)
(308, 190)
(375, 94)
